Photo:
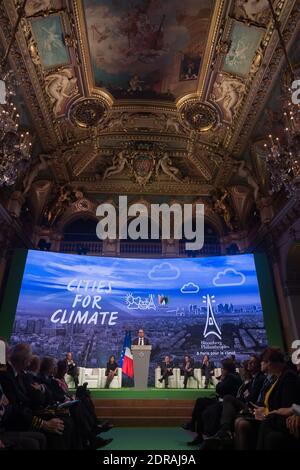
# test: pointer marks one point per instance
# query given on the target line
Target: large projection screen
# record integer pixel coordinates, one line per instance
(185, 305)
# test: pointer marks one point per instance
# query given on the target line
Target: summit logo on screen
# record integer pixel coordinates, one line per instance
(166, 222)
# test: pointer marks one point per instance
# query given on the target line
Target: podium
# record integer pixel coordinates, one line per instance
(141, 359)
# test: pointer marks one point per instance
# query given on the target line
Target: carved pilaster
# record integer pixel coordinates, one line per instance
(15, 204)
(111, 247)
(266, 209)
(170, 248)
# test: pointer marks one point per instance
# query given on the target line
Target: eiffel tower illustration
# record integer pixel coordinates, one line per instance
(211, 327)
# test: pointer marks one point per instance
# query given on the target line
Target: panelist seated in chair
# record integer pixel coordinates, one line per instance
(111, 370)
(166, 370)
(187, 369)
(72, 368)
(141, 340)
(207, 368)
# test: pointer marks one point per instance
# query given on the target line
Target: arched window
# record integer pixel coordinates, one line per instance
(79, 236)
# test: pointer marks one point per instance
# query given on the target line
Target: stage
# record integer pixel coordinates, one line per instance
(153, 407)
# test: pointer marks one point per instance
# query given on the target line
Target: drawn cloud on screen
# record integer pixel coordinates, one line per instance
(190, 288)
(164, 271)
(229, 277)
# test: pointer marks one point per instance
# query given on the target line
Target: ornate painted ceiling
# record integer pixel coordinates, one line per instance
(151, 97)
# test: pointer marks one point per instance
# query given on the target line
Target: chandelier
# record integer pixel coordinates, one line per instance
(283, 153)
(15, 145)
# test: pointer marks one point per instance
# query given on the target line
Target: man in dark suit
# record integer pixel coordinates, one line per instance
(187, 369)
(141, 340)
(72, 368)
(166, 370)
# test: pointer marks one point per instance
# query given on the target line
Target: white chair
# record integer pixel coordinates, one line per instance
(115, 383)
(92, 377)
(192, 381)
(213, 378)
(173, 379)
(217, 373)
(69, 381)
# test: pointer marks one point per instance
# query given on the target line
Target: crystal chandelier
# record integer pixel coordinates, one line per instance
(283, 154)
(15, 145)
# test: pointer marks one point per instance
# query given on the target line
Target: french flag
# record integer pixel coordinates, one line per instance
(126, 361)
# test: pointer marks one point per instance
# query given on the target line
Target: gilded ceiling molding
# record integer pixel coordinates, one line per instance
(238, 101)
(24, 68)
(88, 112)
(171, 188)
(198, 116)
(265, 76)
(199, 158)
(59, 83)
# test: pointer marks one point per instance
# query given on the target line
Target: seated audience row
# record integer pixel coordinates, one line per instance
(37, 410)
(260, 412)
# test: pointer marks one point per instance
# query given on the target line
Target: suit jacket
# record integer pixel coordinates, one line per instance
(191, 366)
(164, 366)
(208, 369)
(255, 387)
(285, 392)
(136, 341)
(21, 417)
(55, 392)
(229, 385)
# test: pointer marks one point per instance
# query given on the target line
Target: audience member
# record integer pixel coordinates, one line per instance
(283, 392)
(229, 384)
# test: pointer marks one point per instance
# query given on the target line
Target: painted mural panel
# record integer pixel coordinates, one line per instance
(48, 33)
(244, 43)
(147, 48)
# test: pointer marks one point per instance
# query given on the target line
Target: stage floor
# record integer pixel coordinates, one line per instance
(150, 393)
(153, 407)
(149, 438)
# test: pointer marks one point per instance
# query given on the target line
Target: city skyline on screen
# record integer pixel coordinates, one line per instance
(186, 306)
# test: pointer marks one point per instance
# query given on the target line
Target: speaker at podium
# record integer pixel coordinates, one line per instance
(141, 360)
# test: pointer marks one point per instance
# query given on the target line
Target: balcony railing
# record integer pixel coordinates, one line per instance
(148, 248)
(82, 247)
(136, 248)
(212, 249)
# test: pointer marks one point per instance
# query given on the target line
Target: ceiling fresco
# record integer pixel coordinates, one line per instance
(244, 43)
(48, 33)
(148, 97)
(147, 48)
